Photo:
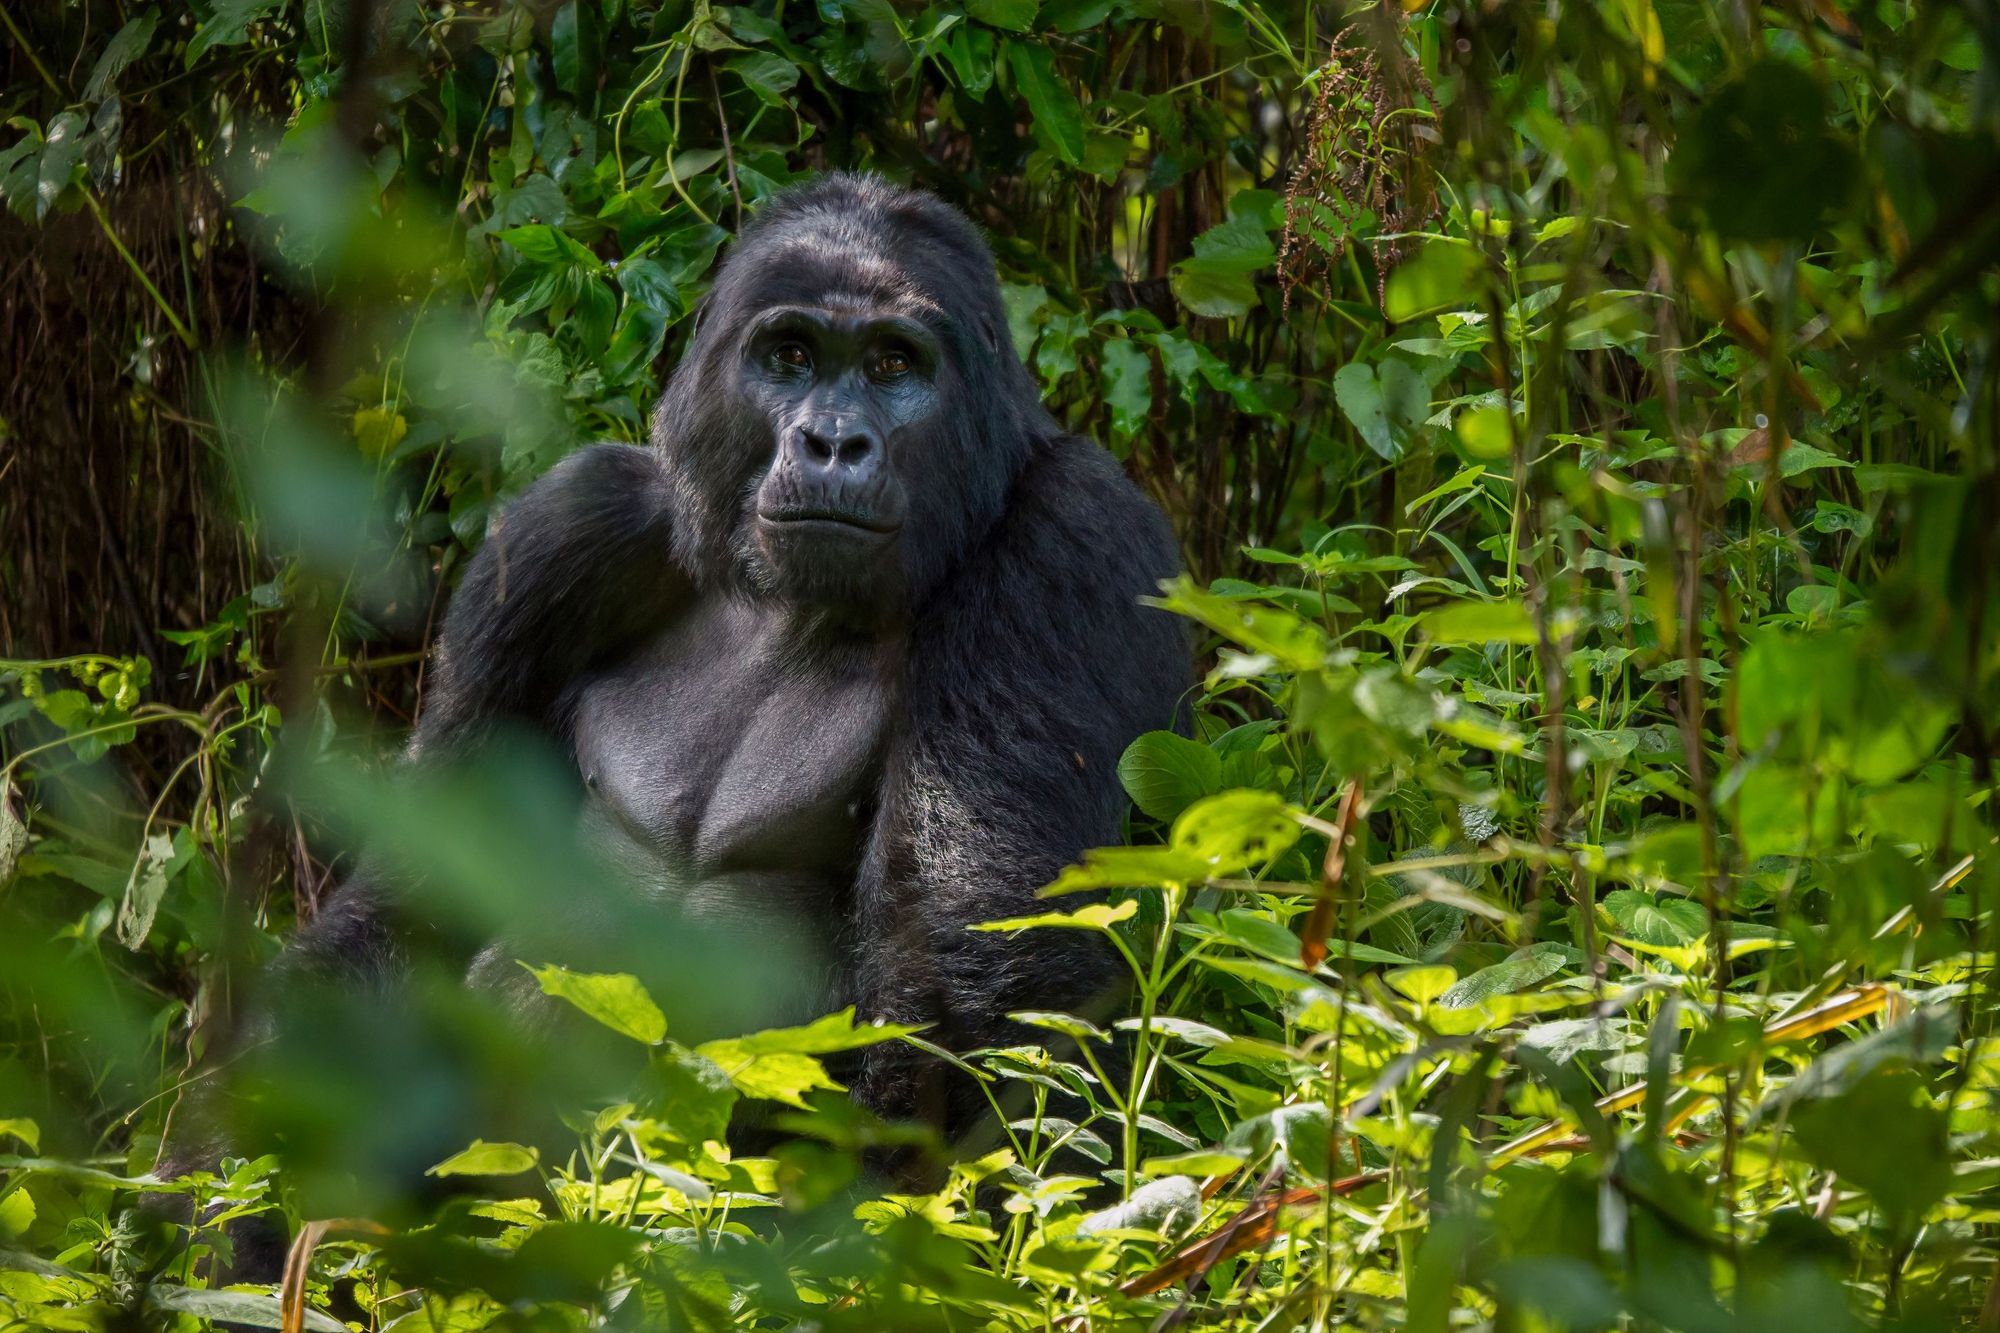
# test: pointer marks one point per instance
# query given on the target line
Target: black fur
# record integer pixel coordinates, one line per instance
(1001, 654)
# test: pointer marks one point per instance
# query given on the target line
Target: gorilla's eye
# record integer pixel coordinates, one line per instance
(793, 355)
(891, 365)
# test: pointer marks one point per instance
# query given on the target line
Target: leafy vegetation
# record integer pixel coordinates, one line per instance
(1574, 909)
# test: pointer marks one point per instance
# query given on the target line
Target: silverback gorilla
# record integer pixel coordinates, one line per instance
(856, 641)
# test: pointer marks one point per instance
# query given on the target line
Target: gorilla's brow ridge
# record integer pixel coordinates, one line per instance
(864, 270)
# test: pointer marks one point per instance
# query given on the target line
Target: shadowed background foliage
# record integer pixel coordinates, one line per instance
(1579, 422)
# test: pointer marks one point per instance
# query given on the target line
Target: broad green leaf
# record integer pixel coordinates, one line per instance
(1204, 1162)
(695, 1096)
(1012, 15)
(228, 24)
(1480, 622)
(17, 1212)
(823, 1036)
(1563, 1039)
(246, 1308)
(1663, 921)
(125, 46)
(1885, 1136)
(1236, 830)
(1422, 984)
(615, 999)
(781, 1076)
(1387, 403)
(1057, 118)
(1217, 281)
(1524, 969)
(1128, 386)
(488, 1159)
(767, 73)
(1164, 773)
(1128, 868)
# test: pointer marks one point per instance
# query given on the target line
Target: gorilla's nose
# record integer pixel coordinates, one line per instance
(837, 444)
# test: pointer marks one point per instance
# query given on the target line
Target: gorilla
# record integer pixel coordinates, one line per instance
(852, 645)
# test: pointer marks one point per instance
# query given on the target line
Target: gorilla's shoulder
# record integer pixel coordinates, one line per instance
(1054, 591)
(1074, 502)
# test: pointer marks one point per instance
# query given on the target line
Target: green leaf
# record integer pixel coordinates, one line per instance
(1128, 868)
(1128, 386)
(234, 1307)
(1422, 984)
(1217, 281)
(695, 1095)
(228, 24)
(1563, 1039)
(1013, 15)
(62, 159)
(647, 282)
(1485, 432)
(1097, 916)
(641, 335)
(17, 1212)
(1068, 1025)
(1164, 773)
(24, 1129)
(1165, 1206)
(1443, 275)
(766, 73)
(1664, 921)
(563, 48)
(780, 1076)
(1203, 1162)
(1885, 1136)
(1525, 968)
(488, 1159)
(126, 46)
(823, 1036)
(1480, 622)
(1236, 830)
(1386, 403)
(614, 999)
(1058, 118)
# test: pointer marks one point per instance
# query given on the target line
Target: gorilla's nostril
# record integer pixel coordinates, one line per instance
(856, 447)
(818, 447)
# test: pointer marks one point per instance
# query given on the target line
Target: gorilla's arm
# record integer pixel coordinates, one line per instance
(1035, 669)
(572, 573)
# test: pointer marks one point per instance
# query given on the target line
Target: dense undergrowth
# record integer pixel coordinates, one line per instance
(1575, 909)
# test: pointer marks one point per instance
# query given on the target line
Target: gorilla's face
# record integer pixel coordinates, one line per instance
(850, 418)
(849, 396)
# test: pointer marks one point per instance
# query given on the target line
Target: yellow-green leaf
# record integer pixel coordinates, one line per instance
(615, 999)
(488, 1159)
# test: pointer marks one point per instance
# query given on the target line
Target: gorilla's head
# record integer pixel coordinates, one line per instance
(851, 413)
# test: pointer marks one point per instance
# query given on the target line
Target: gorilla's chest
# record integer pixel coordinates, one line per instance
(728, 757)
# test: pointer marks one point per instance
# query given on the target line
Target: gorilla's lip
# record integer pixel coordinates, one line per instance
(804, 518)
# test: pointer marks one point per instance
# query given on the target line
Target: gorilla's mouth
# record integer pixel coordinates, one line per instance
(811, 518)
